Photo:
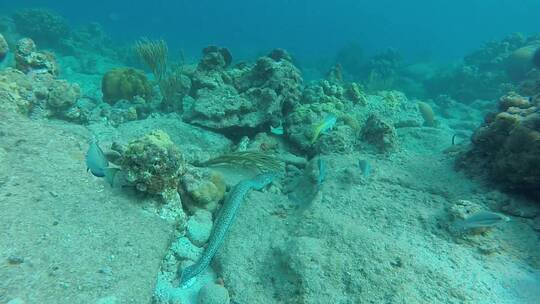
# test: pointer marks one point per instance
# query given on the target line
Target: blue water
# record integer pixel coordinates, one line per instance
(309, 29)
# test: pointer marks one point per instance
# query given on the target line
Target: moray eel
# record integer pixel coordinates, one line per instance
(223, 222)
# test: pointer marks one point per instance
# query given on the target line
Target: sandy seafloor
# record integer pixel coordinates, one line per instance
(67, 237)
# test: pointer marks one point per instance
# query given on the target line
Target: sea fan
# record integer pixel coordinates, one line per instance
(154, 53)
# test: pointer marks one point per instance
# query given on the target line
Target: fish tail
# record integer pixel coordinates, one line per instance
(110, 174)
(316, 133)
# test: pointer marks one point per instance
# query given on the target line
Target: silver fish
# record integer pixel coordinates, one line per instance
(365, 167)
(482, 219)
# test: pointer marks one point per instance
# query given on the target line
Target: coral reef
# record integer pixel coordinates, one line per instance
(379, 133)
(214, 58)
(15, 91)
(318, 100)
(344, 140)
(466, 83)
(530, 86)
(41, 95)
(28, 59)
(125, 83)
(507, 145)
(247, 96)
(487, 73)
(63, 95)
(89, 42)
(382, 71)
(153, 163)
(45, 27)
(520, 61)
(300, 122)
(353, 108)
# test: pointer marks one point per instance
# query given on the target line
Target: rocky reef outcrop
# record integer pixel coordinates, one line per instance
(40, 95)
(29, 59)
(44, 26)
(153, 164)
(489, 72)
(507, 145)
(246, 96)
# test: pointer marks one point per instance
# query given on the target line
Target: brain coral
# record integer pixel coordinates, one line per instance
(125, 83)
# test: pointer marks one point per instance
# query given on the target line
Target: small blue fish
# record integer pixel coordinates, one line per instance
(365, 167)
(96, 162)
(322, 172)
(277, 130)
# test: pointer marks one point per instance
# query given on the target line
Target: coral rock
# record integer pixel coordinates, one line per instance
(199, 227)
(213, 294)
(153, 163)
(215, 58)
(507, 145)
(280, 54)
(63, 95)
(342, 140)
(379, 133)
(520, 61)
(244, 97)
(28, 59)
(204, 186)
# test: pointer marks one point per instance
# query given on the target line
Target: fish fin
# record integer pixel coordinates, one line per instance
(110, 174)
(96, 173)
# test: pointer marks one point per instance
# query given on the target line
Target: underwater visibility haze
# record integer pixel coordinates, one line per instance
(260, 152)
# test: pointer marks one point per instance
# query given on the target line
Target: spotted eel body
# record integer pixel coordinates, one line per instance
(223, 222)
